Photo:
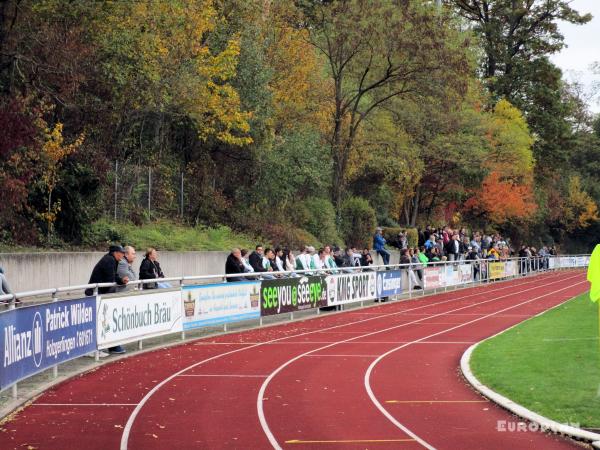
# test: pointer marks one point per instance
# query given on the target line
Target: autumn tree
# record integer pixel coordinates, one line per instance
(375, 52)
(54, 151)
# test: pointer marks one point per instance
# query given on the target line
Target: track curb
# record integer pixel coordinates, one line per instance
(519, 410)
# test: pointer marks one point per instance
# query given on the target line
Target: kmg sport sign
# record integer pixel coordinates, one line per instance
(350, 288)
(136, 317)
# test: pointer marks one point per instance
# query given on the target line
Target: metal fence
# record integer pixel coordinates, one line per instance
(52, 326)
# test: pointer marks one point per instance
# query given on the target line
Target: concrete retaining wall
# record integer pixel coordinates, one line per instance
(33, 271)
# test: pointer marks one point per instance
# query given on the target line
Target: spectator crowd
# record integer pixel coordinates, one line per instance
(434, 245)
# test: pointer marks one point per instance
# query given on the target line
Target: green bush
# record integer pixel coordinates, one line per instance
(290, 236)
(412, 234)
(357, 222)
(317, 216)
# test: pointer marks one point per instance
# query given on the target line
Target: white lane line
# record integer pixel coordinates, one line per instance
(478, 290)
(261, 394)
(223, 375)
(83, 404)
(367, 378)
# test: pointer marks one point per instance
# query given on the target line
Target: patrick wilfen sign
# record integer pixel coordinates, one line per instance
(38, 337)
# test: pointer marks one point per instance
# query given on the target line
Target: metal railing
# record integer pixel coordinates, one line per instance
(480, 272)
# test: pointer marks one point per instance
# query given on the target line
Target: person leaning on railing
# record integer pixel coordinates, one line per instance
(150, 268)
(234, 265)
(105, 271)
(4, 287)
(125, 269)
(405, 259)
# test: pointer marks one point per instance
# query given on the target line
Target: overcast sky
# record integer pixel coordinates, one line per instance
(583, 48)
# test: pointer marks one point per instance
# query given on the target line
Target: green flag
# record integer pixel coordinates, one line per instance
(593, 274)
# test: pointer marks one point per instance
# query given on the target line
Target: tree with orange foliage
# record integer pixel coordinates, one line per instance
(502, 200)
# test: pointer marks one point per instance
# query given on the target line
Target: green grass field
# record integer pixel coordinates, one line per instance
(549, 364)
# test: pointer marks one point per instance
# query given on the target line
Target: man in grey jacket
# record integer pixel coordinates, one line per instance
(125, 268)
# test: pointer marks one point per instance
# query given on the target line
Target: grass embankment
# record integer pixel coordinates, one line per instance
(168, 236)
(163, 235)
(549, 364)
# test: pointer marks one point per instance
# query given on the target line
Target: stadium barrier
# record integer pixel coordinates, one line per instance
(38, 337)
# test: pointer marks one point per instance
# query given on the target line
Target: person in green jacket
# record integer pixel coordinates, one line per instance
(421, 255)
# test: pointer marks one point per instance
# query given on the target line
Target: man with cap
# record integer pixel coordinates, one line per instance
(105, 271)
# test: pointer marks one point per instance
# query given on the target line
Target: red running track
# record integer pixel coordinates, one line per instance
(382, 377)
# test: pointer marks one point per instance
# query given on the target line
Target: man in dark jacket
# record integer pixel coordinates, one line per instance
(105, 271)
(234, 265)
(256, 259)
(454, 248)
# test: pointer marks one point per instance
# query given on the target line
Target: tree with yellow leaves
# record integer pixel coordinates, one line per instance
(157, 55)
(579, 210)
(54, 151)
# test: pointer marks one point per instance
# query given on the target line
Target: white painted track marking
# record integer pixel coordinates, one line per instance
(367, 379)
(478, 291)
(261, 393)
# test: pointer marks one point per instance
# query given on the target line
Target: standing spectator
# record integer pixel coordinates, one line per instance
(338, 257)
(405, 259)
(125, 269)
(453, 248)
(427, 233)
(430, 243)
(4, 287)
(472, 257)
(348, 258)
(150, 268)
(234, 265)
(402, 240)
(379, 246)
(476, 242)
(356, 255)
(414, 259)
(105, 271)
(366, 259)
